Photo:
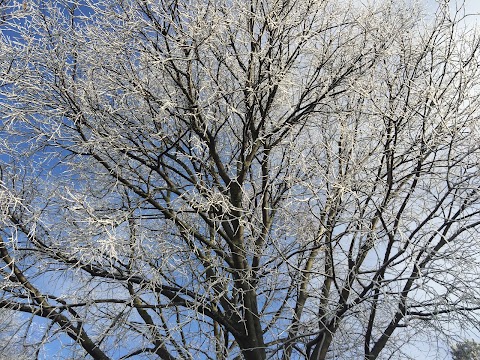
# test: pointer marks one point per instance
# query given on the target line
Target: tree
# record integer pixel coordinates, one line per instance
(466, 350)
(239, 179)
(16, 337)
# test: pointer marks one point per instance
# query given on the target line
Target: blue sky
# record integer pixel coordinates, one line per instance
(473, 6)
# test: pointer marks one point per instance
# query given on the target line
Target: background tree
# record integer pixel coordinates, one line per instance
(239, 179)
(466, 350)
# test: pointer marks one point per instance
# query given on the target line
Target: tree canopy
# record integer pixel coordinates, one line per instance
(241, 179)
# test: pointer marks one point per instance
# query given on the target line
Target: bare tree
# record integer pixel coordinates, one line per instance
(239, 179)
(17, 336)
